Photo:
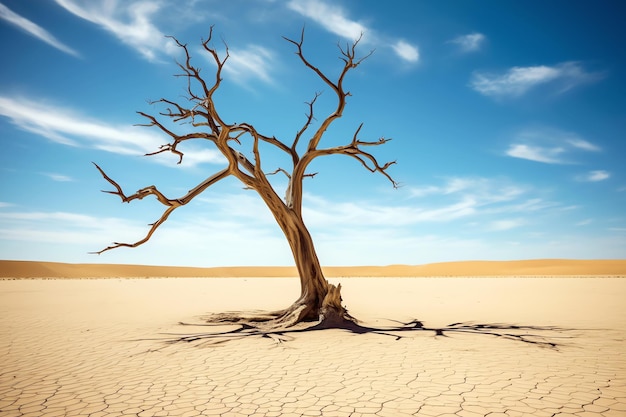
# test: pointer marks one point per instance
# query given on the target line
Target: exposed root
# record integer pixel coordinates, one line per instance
(542, 336)
(330, 314)
(281, 325)
(267, 321)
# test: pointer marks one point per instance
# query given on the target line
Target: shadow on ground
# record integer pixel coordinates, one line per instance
(541, 336)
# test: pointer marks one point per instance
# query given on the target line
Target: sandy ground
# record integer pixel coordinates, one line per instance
(83, 348)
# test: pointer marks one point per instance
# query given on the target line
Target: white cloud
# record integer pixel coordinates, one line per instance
(67, 127)
(424, 190)
(129, 21)
(456, 199)
(332, 18)
(252, 62)
(246, 205)
(78, 219)
(594, 176)
(548, 145)
(406, 51)
(321, 213)
(484, 190)
(68, 237)
(517, 81)
(58, 177)
(469, 43)
(583, 144)
(335, 20)
(527, 206)
(34, 30)
(505, 224)
(64, 227)
(536, 153)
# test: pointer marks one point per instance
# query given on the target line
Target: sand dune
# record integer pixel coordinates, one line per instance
(539, 267)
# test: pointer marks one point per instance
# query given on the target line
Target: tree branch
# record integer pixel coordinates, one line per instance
(309, 120)
(288, 175)
(171, 204)
(354, 150)
(350, 62)
(176, 139)
(192, 73)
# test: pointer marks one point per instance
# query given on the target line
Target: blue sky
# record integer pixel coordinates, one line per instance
(508, 122)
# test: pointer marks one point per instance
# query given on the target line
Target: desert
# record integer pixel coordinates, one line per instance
(312, 208)
(99, 346)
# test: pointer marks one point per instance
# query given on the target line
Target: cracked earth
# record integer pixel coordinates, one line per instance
(85, 348)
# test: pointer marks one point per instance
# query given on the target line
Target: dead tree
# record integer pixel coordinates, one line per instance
(319, 300)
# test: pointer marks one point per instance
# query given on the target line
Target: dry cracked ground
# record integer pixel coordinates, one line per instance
(84, 348)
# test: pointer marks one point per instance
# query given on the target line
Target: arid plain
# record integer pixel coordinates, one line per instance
(500, 339)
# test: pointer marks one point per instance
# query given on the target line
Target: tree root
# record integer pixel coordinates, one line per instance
(273, 325)
(282, 325)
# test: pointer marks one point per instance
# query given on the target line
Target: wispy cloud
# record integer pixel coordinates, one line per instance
(69, 236)
(456, 199)
(594, 176)
(130, 21)
(497, 204)
(406, 51)
(58, 177)
(320, 213)
(536, 153)
(253, 61)
(335, 20)
(68, 127)
(34, 30)
(505, 224)
(517, 81)
(485, 190)
(582, 144)
(469, 43)
(548, 145)
(330, 17)
(65, 227)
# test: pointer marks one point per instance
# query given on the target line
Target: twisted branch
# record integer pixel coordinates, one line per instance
(366, 159)
(369, 161)
(350, 62)
(171, 204)
(309, 120)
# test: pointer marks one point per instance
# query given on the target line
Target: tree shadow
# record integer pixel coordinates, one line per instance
(541, 336)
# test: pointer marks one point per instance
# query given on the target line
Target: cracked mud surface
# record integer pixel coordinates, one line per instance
(71, 348)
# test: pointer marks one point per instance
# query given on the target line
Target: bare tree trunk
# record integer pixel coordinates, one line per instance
(319, 300)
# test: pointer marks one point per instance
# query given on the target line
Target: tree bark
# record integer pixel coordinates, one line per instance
(319, 300)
